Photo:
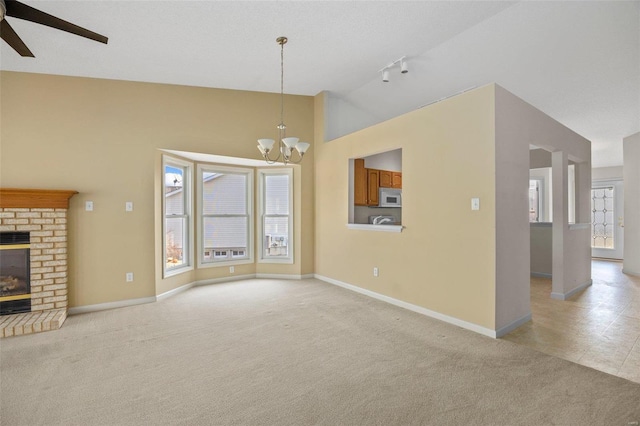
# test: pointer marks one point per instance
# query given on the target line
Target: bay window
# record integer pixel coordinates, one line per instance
(225, 210)
(276, 215)
(177, 224)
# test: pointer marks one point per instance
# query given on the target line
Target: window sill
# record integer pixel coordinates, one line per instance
(380, 228)
(231, 262)
(177, 271)
(281, 261)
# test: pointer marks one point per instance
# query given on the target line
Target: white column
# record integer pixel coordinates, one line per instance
(560, 185)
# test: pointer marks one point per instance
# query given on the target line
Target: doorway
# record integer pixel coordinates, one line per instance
(607, 221)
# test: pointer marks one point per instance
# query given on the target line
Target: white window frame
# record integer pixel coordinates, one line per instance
(187, 182)
(249, 258)
(262, 173)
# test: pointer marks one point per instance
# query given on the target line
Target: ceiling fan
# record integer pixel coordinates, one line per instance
(19, 10)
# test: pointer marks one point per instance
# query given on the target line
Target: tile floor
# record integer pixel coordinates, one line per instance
(598, 327)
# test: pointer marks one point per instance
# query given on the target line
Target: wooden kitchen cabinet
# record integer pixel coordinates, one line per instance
(360, 187)
(373, 182)
(396, 180)
(389, 179)
(366, 183)
(386, 179)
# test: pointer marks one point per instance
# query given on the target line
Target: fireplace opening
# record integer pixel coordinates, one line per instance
(15, 268)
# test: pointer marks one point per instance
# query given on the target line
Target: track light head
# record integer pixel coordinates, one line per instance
(403, 66)
(385, 75)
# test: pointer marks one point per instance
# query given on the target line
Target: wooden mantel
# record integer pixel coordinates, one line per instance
(35, 198)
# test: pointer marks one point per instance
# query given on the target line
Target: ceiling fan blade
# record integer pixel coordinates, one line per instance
(10, 36)
(28, 13)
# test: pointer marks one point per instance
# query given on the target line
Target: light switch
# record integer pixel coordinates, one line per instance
(88, 206)
(128, 206)
(475, 204)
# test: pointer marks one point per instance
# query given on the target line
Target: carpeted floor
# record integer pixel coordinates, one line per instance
(269, 352)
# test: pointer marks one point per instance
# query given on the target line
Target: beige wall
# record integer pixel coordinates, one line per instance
(631, 170)
(102, 138)
(444, 260)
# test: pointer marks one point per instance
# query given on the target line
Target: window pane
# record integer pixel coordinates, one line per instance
(175, 229)
(602, 218)
(225, 232)
(224, 193)
(276, 236)
(276, 194)
(174, 194)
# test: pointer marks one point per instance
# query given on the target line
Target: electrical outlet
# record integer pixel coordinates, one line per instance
(375, 272)
(128, 206)
(475, 204)
(129, 277)
(232, 269)
(88, 206)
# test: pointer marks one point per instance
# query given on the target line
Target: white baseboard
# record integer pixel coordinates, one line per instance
(284, 276)
(132, 302)
(173, 292)
(110, 305)
(510, 327)
(415, 308)
(628, 272)
(224, 279)
(540, 275)
(565, 296)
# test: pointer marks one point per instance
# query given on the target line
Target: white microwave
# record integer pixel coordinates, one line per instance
(390, 197)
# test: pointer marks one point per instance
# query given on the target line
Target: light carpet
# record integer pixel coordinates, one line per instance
(271, 352)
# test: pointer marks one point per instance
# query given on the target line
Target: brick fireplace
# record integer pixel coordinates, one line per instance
(43, 214)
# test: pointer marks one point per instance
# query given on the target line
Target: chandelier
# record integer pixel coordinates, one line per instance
(287, 146)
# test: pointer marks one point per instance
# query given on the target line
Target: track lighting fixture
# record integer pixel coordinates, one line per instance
(404, 68)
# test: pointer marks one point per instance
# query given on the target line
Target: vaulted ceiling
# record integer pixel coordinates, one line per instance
(579, 62)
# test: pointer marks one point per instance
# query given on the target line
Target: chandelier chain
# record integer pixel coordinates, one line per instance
(282, 84)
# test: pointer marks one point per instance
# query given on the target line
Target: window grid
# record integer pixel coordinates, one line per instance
(276, 215)
(602, 218)
(176, 212)
(225, 215)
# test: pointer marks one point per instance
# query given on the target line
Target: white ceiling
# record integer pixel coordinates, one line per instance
(579, 62)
